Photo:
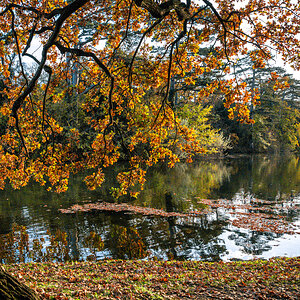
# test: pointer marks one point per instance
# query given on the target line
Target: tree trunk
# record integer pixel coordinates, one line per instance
(12, 289)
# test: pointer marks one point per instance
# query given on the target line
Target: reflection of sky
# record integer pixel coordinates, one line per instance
(238, 240)
(233, 251)
(287, 245)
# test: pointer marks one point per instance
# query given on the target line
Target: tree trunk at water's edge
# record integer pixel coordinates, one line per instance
(12, 289)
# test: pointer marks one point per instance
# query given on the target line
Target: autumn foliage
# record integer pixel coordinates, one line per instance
(115, 65)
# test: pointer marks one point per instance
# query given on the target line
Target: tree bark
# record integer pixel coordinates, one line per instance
(12, 289)
(163, 9)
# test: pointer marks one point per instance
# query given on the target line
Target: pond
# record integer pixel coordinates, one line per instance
(33, 229)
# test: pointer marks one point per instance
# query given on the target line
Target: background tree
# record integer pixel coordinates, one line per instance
(103, 56)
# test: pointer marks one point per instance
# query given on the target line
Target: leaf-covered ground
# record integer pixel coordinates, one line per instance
(115, 279)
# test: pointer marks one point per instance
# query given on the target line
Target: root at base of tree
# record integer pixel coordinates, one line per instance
(13, 289)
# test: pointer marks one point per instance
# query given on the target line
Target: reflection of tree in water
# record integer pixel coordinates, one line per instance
(266, 177)
(179, 238)
(254, 243)
(4, 221)
(173, 238)
(263, 220)
(172, 254)
(95, 243)
(16, 247)
(152, 237)
(184, 181)
(198, 240)
(126, 243)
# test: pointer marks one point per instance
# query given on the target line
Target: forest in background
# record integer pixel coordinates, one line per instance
(276, 116)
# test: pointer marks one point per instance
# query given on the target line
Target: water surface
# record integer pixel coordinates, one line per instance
(50, 235)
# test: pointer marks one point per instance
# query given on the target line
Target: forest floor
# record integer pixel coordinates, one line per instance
(277, 278)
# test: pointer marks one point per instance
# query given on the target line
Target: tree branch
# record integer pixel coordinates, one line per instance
(65, 13)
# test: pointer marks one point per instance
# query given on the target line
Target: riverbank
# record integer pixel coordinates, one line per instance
(277, 278)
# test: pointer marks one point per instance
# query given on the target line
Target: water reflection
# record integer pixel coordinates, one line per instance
(127, 243)
(184, 183)
(266, 177)
(17, 247)
(93, 242)
(49, 235)
(253, 243)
